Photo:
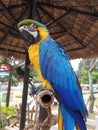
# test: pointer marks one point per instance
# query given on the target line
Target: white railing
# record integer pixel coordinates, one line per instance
(93, 123)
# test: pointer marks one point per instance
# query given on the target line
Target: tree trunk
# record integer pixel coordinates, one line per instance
(92, 98)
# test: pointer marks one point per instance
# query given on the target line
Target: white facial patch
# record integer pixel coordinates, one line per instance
(35, 34)
(32, 31)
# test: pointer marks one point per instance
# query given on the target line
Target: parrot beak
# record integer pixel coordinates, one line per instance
(27, 37)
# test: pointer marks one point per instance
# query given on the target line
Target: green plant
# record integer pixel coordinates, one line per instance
(7, 110)
(2, 121)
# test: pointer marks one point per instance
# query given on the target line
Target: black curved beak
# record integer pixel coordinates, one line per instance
(27, 37)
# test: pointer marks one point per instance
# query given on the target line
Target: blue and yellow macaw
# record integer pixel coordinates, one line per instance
(54, 69)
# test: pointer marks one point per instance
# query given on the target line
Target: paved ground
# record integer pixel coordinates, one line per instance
(54, 128)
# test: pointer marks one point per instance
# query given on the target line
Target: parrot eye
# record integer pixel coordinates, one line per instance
(25, 26)
(32, 27)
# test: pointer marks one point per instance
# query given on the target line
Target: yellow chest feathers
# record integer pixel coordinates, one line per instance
(34, 57)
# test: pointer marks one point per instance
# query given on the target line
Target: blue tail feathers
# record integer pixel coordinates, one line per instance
(69, 121)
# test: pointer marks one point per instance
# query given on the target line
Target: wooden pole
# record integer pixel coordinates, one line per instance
(9, 89)
(25, 92)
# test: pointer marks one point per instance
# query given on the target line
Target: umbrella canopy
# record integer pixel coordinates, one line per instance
(73, 23)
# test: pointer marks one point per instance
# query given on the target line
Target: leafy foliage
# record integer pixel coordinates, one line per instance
(17, 75)
(82, 72)
(84, 77)
(33, 73)
(95, 76)
(7, 110)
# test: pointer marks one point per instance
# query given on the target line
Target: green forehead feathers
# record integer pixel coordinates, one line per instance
(25, 22)
(30, 21)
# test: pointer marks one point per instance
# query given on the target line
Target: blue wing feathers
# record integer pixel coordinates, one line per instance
(56, 68)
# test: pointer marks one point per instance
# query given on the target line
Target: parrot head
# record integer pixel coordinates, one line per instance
(29, 31)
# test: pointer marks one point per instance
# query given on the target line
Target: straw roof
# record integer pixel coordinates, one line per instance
(73, 23)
